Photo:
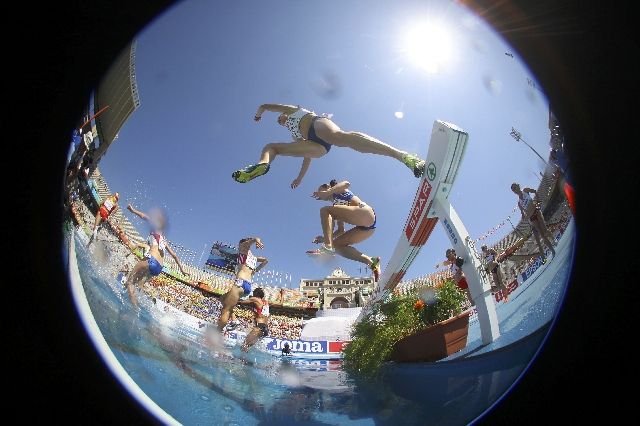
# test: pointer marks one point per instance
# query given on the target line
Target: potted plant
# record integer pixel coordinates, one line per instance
(409, 328)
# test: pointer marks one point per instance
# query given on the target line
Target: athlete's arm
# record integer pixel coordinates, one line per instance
(246, 243)
(258, 242)
(285, 109)
(444, 263)
(137, 212)
(340, 187)
(263, 261)
(250, 300)
(529, 190)
(175, 257)
(303, 170)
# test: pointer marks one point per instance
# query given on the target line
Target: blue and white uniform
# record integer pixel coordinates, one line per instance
(155, 238)
(344, 198)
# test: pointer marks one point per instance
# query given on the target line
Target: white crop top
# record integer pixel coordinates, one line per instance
(525, 201)
(293, 122)
(264, 311)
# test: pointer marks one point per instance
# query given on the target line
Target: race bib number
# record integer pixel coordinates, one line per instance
(108, 204)
(251, 261)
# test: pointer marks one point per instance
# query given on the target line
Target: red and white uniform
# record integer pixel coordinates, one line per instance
(264, 310)
(248, 259)
(108, 206)
(158, 239)
(463, 281)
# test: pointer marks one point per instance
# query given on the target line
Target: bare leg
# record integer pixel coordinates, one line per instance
(546, 236)
(361, 142)
(539, 243)
(352, 253)
(251, 339)
(98, 220)
(354, 215)
(229, 302)
(344, 245)
(139, 274)
(295, 149)
(94, 231)
(498, 279)
(326, 221)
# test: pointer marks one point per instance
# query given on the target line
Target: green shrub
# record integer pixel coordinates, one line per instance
(450, 300)
(373, 338)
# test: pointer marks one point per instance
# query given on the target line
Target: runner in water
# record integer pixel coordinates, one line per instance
(348, 208)
(108, 206)
(248, 264)
(151, 265)
(531, 211)
(313, 137)
(260, 308)
(491, 257)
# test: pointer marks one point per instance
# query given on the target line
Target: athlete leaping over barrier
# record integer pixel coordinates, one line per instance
(313, 137)
(352, 210)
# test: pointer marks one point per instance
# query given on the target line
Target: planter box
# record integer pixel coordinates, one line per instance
(435, 342)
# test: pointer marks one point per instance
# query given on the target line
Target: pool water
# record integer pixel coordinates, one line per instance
(169, 363)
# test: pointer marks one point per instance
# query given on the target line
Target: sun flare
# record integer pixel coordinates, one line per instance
(427, 45)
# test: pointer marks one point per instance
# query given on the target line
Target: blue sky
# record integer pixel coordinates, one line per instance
(204, 67)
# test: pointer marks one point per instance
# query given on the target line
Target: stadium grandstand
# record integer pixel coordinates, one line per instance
(115, 99)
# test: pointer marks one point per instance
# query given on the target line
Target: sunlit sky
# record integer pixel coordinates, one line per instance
(204, 67)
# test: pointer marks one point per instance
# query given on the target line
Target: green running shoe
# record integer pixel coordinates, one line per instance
(414, 162)
(327, 250)
(375, 267)
(250, 172)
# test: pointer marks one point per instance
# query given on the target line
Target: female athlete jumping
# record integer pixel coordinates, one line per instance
(313, 137)
(348, 208)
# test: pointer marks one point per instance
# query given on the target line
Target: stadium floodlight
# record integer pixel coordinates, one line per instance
(518, 137)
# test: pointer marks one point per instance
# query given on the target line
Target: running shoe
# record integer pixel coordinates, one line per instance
(231, 325)
(250, 172)
(375, 267)
(327, 250)
(414, 162)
